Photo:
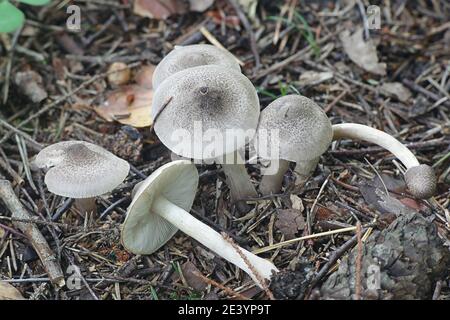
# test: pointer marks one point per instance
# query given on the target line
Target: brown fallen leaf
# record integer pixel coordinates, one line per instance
(397, 89)
(8, 292)
(194, 281)
(30, 83)
(159, 9)
(131, 104)
(289, 222)
(363, 53)
(118, 74)
(144, 76)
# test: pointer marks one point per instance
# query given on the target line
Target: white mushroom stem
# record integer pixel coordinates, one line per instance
(271, 183)
(238, 180)
(304, 169)
(212, 239)
(384, 140)
(86, 205)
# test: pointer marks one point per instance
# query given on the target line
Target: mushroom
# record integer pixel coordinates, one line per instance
(420, 178)
(209, 113)
(184, 57)
(81, 170)
(301, 131)
(161, 206)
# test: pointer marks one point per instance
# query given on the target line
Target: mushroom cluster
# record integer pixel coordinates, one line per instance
(200, 97)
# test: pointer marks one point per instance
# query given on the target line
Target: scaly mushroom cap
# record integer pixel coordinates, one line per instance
(184, 57)
(197, 108)
(305, 131)
(78, 169)
(143, 231)
(421, 181)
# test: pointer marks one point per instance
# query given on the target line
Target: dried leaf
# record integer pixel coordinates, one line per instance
(118, 74)
(397, 89)
(8, 292)
(289, 222)
(144, 76)
(30, 83)
(363, 53)
(381, 201)
(159, 9)
(200, 5)
(310, 78)
(130, 105)
(297, 203)
(194, 281)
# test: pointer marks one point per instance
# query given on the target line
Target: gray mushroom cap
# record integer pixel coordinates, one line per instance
(304, 129)
(196, 109)
(78, 169)
(421, 181)
(184, 57)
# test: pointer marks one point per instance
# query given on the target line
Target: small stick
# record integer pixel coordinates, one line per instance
(249, 265)
(311, 236)
(208, 35)
(229, 291)
(33, 234)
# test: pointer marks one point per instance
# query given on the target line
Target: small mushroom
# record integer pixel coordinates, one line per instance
(304, 133)
(161, 206)
(184, 57)
(209, 113)
(420, 178)
(81, 170)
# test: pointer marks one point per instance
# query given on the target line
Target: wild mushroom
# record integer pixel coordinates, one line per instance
(420, 178)
(184, 57)
(161, 206)
(209, 113)
(304, 133)
(81, 170)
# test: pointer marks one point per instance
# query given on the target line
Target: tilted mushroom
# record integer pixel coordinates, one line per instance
(184, 57)
(420, 178)
(304, 134)
(81, 170)
(209, 113)
(161, 206)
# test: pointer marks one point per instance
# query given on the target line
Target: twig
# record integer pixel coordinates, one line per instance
(250, 266)
(33, 234)
(311, 236)
(249, 30)
(208, 35)
(229, 291)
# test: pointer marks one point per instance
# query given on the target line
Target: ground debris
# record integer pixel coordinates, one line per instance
(403, 261)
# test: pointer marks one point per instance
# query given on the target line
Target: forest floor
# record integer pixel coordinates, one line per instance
(54, 87)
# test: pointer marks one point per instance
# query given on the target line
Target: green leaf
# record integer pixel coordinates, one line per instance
(35, 2)
(11, 18)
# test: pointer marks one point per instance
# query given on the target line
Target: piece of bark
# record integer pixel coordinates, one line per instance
(403, 261)
(31, 231)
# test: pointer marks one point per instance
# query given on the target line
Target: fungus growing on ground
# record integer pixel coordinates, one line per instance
(81, 170)
(184, 57)
(420, 178)
(161, 206)
(209, 113)
(304, 134)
